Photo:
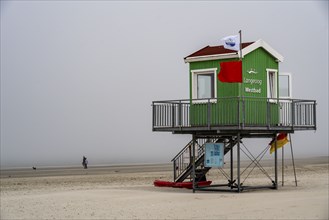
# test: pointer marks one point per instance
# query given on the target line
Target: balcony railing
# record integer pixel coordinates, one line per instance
(234, 113)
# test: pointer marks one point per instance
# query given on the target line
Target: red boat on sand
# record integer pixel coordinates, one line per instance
(188, 185)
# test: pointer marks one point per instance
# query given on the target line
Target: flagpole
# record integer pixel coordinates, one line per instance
(240, 59)
(240, 45)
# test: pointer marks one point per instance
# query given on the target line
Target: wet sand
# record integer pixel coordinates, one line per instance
(127, 192)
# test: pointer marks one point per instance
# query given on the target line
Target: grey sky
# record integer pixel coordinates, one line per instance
(78, 77)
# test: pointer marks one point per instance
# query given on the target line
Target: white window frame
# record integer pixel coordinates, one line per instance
(197, 72)
(290, 86)
(275, 86)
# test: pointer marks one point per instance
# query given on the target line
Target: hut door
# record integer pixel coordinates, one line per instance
(285, 94)
(285, 85)
(272, 85)
(272, 95)
(203, 88)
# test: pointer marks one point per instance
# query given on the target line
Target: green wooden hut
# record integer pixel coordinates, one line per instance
(258, 106)
(257, 93)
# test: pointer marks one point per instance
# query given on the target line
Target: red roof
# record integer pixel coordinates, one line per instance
(212, 50)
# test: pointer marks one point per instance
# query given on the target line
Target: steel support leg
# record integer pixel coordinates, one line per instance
(193, 162)
(231, 162)
(238, 162)
(282, 166)
(276, 163)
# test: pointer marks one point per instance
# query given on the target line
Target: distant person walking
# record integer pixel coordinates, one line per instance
(84, 162)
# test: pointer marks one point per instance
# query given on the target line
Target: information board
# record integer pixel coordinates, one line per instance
(214, 155)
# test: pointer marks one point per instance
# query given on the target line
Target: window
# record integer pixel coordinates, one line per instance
(285, 85)
(205, 86)
(204, 83)
(272, 83)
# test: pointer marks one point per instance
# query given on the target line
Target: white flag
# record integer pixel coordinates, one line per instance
(232, 42)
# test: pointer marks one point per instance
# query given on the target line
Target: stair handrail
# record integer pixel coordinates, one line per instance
(200, 143)
(181, 152)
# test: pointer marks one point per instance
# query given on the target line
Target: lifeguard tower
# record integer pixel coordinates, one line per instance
(225, 107)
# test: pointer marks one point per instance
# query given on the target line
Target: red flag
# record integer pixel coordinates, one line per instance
(230, 72)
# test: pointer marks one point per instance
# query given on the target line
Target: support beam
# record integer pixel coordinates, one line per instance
(238, 162)
(282, 166)
(276, 162)
(231, 161)
(235, 183)
(193, 161)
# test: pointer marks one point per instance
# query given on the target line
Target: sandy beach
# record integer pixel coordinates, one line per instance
(127, 192)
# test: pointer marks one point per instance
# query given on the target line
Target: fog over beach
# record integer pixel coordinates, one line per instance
(78, 78)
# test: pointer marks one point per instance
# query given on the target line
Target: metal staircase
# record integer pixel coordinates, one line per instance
(183, 161)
